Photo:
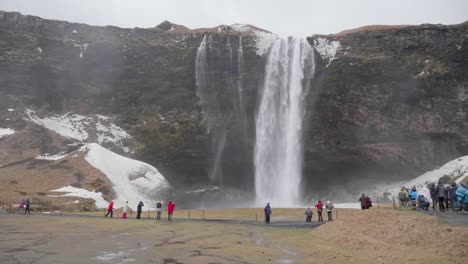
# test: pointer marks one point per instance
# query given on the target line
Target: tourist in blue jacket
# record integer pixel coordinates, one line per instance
(462, 196)
(453, 196)
(267, 213)
(413, 194)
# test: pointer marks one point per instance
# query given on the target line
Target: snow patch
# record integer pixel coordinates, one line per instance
(5, 132)
(241, 27)
(81, 50)
(327, 49)
(38, 49)
(111, 133)
(11, 110)
(76, 127)
(263, 39)
(46, 156)
(132, 180)
(78, 192)
(74, 32)
(68, 125)
(74, 202)
(103, 117)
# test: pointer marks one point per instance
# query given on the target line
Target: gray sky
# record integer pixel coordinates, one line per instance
(284, 17)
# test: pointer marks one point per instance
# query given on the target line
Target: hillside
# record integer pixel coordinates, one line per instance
(387, 103)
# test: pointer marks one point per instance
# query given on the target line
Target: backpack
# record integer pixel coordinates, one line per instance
(401, 195)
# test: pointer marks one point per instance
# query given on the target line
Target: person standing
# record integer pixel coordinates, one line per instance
(267, 213)
(21, 207)
(319, 207)
(368, 202)
(110, 209)
(125, 209)
(433, 192)
(308, 214)
(453, 196)
(403, 197)
(413, 194)
(329, 206)
(139, 209)
(27, 208)
(158, 210)
(363, 201)
(440, 190)
(447, 197)
(170, 210)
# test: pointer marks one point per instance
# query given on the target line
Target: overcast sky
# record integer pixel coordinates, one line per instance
(284, 17)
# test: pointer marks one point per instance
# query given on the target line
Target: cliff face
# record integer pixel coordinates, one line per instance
(144, 77)
(392, 103)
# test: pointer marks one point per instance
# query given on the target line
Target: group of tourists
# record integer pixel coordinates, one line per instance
(24, 207)
(170, 210)
(442, 196)
(366, 202)
(319, 206)
(308, 213)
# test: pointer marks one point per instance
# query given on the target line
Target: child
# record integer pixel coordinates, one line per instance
(125, 209)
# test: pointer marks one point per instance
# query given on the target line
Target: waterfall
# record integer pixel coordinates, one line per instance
(219, 82)
(240, 90)
(278, 147)
(210, 108)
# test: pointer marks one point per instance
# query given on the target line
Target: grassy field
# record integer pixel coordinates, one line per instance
(373, 236)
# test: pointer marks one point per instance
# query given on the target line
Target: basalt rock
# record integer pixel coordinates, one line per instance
(392, 104)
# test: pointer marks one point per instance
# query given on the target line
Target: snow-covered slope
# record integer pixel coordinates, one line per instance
(67, 125)
(89, 129)
(455, 169)
(132, 180)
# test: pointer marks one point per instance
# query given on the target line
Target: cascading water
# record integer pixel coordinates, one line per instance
(240, 89)
(209, 105)
(203, 84)
(278, 150)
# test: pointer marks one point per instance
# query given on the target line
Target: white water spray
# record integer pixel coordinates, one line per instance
(278, 148)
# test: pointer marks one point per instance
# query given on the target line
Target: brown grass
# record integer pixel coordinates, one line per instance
(35, 178)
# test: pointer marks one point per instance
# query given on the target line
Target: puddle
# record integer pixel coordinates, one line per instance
(110, 256)
(285, 261)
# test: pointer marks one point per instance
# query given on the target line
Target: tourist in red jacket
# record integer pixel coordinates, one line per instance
(319, 207)
(170, 209)
(110, 209)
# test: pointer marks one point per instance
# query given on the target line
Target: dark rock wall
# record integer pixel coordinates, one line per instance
(393, 104)
(391, 107)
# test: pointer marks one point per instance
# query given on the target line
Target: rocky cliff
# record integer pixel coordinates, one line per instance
(386, 103)
(393, 105)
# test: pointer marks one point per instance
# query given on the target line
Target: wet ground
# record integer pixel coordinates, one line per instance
(357, 237)
(58, 238)
(450, 217)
